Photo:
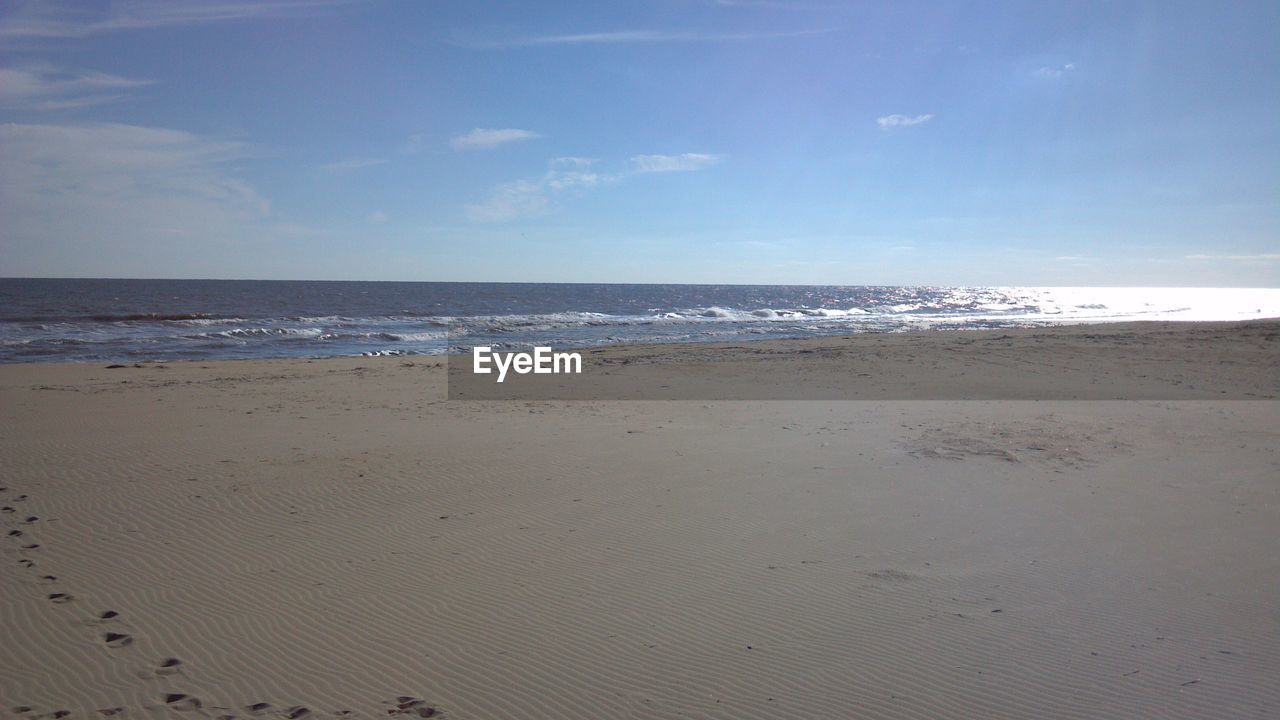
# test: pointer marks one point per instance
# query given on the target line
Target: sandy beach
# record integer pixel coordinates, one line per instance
(1075, 522)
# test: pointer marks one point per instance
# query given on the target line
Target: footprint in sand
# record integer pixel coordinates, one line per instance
(893, 575)
(181, 701)
(110, 711)
(7, 509)
(61, 598)
(297, 712)
(30, 519)
(26, 563)
(15, 533)
(117, 640)
(108, 615)
(409, 705)
(31, 546)
(167, 667)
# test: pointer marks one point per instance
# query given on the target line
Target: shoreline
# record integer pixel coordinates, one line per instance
(812, 340)
(1117, 361)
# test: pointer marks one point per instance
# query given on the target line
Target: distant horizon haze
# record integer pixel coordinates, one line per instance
(602, 282)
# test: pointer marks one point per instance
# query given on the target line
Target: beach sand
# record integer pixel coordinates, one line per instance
(934, 525)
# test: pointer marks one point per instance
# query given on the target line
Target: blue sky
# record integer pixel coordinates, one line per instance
(766, 141)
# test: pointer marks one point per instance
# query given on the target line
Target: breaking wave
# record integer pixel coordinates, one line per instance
(344, 322)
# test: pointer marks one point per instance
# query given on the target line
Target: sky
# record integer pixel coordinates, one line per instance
(704, 141)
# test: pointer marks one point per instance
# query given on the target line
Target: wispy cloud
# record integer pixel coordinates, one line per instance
(579, 163)
(511, 200)
(1054, 72)
(343, 166)
(67, 20)
(568, 175)
(523, 198)
(628, 37)
(673, 163)
(44, 87)
(112, 191)
(482, 139)
(896, 121)
(377, 217)
(1260, 257)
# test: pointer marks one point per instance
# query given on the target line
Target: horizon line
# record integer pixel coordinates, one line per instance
(581, 282)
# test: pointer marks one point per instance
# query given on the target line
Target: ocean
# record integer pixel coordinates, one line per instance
(82, 320)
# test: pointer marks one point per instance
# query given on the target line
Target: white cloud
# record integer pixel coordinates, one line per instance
(673, 163)
(627, 37)
(43, 87)
(64, 20)
(482, 139)
(121, 192)
(1260, 257)
(566, 172)
(573, 162)
(511, 200)
(343, 166)
(1053, 73)
(523, 198)
(894, 121)
(378, 217)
